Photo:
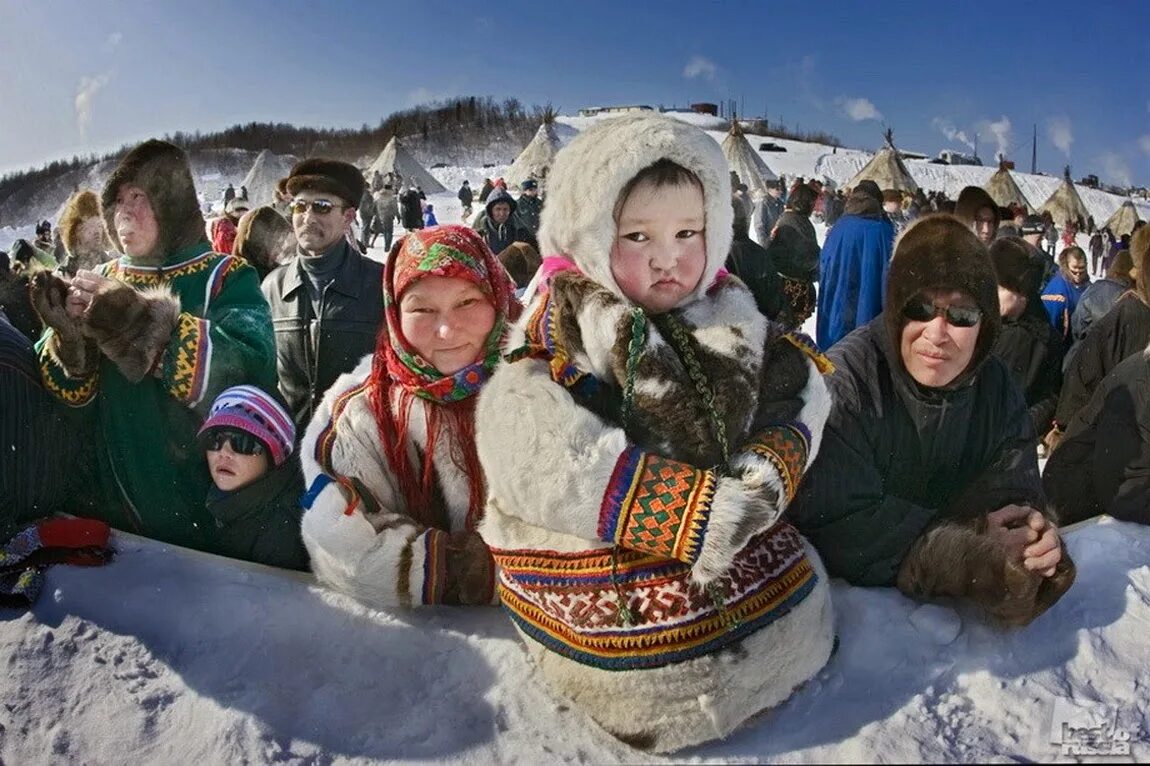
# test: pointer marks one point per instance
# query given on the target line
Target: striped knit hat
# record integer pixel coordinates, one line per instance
(247, 408)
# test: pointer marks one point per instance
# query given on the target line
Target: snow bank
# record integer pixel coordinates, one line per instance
(169, 656)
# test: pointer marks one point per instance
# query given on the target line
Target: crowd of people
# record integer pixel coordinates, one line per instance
(628, 443)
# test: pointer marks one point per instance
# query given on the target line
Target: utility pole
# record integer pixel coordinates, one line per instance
(1034, 151)
(976, 146)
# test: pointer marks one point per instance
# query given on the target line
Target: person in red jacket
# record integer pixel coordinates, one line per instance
(224, 227)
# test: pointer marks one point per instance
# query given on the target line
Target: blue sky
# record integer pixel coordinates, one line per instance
(92, 75)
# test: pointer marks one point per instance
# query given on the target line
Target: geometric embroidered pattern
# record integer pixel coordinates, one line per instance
(151, 276)
(655, 505)
(807, 346)
(185, 361)
(569, 604)
(786, 447)
(74, 392)
(543, 342)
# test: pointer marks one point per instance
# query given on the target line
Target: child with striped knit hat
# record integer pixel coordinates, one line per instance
(249, 439)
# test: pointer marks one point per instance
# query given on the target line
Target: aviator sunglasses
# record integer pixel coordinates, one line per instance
(242, 442)
(318, 206)
(959, 316)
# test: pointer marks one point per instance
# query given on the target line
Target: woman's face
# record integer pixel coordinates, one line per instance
(447, 321)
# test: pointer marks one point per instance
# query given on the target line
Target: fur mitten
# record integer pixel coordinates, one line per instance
(470, 570)
(958, 559)
(739, 511)
(132, 327)
(77, 355)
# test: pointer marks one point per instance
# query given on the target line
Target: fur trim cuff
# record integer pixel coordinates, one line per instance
(738, 512)
(77, 357)
(132, 327)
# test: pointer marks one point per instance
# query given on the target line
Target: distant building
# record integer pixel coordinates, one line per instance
(951, 157)
(911, 155)
(705, 108)
(592, 111)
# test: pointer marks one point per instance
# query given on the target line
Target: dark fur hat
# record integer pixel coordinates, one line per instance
(940, 251)
(864, 199)
(264, 238)
(1014, 268)
(327, 176)
(971, 200)
(161, 170)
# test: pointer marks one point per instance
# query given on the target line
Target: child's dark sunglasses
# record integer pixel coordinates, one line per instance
(959, 316)
(318, 206)
(242, 442)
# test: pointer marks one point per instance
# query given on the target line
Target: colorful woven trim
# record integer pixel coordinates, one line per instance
(74, 392)
(566, 601)
(786, 447)
(149, 276)
(810, 348)
(326, 440)
(434, 566)
(544, 342)
(185, 365)
(657, 506)
(227, 266)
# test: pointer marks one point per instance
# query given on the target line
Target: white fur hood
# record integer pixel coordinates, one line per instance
(590, 172)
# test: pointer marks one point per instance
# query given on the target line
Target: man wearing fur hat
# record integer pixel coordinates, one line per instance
(978, 210)
(927, 477)
(82, 232)
(1026, 343)
(327, 303)
(143, 343)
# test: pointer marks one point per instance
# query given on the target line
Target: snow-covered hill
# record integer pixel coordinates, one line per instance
(488, 154)
(166, 656)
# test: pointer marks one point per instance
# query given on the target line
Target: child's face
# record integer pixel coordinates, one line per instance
(230, 469)
(660, 250)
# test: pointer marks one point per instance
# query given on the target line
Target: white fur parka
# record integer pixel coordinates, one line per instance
(564, 480)
(369, 546)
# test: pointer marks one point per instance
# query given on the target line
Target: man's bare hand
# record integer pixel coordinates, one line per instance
(1027, 536)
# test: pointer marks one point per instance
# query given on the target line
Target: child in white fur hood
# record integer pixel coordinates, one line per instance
(642, 447)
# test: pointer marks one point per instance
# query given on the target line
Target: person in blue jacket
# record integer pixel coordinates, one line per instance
(853, 266)
(1061, 294)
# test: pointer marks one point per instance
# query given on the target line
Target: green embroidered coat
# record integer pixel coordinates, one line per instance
(150, 476)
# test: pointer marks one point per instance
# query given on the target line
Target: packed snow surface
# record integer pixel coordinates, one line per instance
(168, 656)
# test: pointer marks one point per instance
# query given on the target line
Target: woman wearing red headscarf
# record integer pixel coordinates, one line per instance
(395, 487)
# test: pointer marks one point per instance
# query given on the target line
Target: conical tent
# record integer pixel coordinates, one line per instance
(396, 159)
(1005, 192)
(744, 160)
(887, 170)
(1064, 204)
(536, 158)
(1123, 220)
(265, 173)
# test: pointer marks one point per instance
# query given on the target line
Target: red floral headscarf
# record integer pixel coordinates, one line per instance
(445, 251)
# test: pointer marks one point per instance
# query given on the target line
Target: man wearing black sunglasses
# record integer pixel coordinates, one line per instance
(327, 303)
(927, 475)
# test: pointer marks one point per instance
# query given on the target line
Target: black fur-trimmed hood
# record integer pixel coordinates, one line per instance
(162, 171)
